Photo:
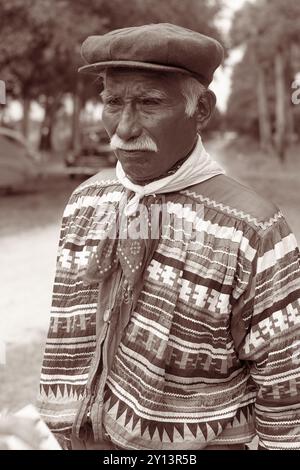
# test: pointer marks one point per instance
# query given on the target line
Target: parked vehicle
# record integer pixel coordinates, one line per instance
(19, 163)
(94, 153)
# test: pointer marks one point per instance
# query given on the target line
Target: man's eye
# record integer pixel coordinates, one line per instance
(113, 102)
(149, 101)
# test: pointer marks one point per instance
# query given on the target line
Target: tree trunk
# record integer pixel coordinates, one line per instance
(281, 122)
(2, 115)
(77, 106)
(290, 123)
(290, 72)
(44, 132)
(51, 107)
(263, 112)
(26, 115)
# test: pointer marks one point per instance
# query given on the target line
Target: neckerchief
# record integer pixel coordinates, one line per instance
(134, 254)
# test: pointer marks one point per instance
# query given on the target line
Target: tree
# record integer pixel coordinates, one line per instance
(194, 14)
(247, 29)
(270, 29)
(241, 112)
(40, 48)
(282, 33)
(40, 45)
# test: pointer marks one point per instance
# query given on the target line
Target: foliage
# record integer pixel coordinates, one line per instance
(40, 42)
(39, 46)
(267, 28)
(198, 15)
(267, 25)
(40, 39)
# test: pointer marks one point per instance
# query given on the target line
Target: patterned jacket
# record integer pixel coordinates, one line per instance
(211, 352)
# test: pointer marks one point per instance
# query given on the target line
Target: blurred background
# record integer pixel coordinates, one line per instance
(52, 138)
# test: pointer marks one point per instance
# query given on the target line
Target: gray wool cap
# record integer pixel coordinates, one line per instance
(161, 47)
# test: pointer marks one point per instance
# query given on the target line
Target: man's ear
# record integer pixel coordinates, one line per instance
(205, 108)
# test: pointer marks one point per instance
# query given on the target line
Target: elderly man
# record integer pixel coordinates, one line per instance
(175, 318)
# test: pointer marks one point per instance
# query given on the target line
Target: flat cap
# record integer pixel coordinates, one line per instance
(162, 47)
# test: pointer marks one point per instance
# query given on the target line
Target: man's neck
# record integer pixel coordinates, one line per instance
(169, 172)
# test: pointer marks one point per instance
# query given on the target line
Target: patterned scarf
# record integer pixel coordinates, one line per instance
(134, 254)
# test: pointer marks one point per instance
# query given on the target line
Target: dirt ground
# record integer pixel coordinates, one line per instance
(29, 231)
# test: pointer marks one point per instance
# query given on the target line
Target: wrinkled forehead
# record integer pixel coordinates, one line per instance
(140, 79)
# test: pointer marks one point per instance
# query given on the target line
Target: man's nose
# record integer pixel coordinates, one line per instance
(128, 127)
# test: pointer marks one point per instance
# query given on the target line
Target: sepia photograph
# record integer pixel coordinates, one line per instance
(149, 227)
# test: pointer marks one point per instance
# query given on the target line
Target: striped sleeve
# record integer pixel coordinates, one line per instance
(266, 331)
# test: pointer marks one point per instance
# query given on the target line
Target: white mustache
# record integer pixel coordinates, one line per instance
(140, 143)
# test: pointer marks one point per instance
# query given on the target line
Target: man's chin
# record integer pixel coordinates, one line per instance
(138, 166)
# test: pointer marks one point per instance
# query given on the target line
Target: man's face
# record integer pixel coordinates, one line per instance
(139, 104)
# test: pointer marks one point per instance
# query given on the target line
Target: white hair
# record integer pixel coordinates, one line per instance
(191, 89)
